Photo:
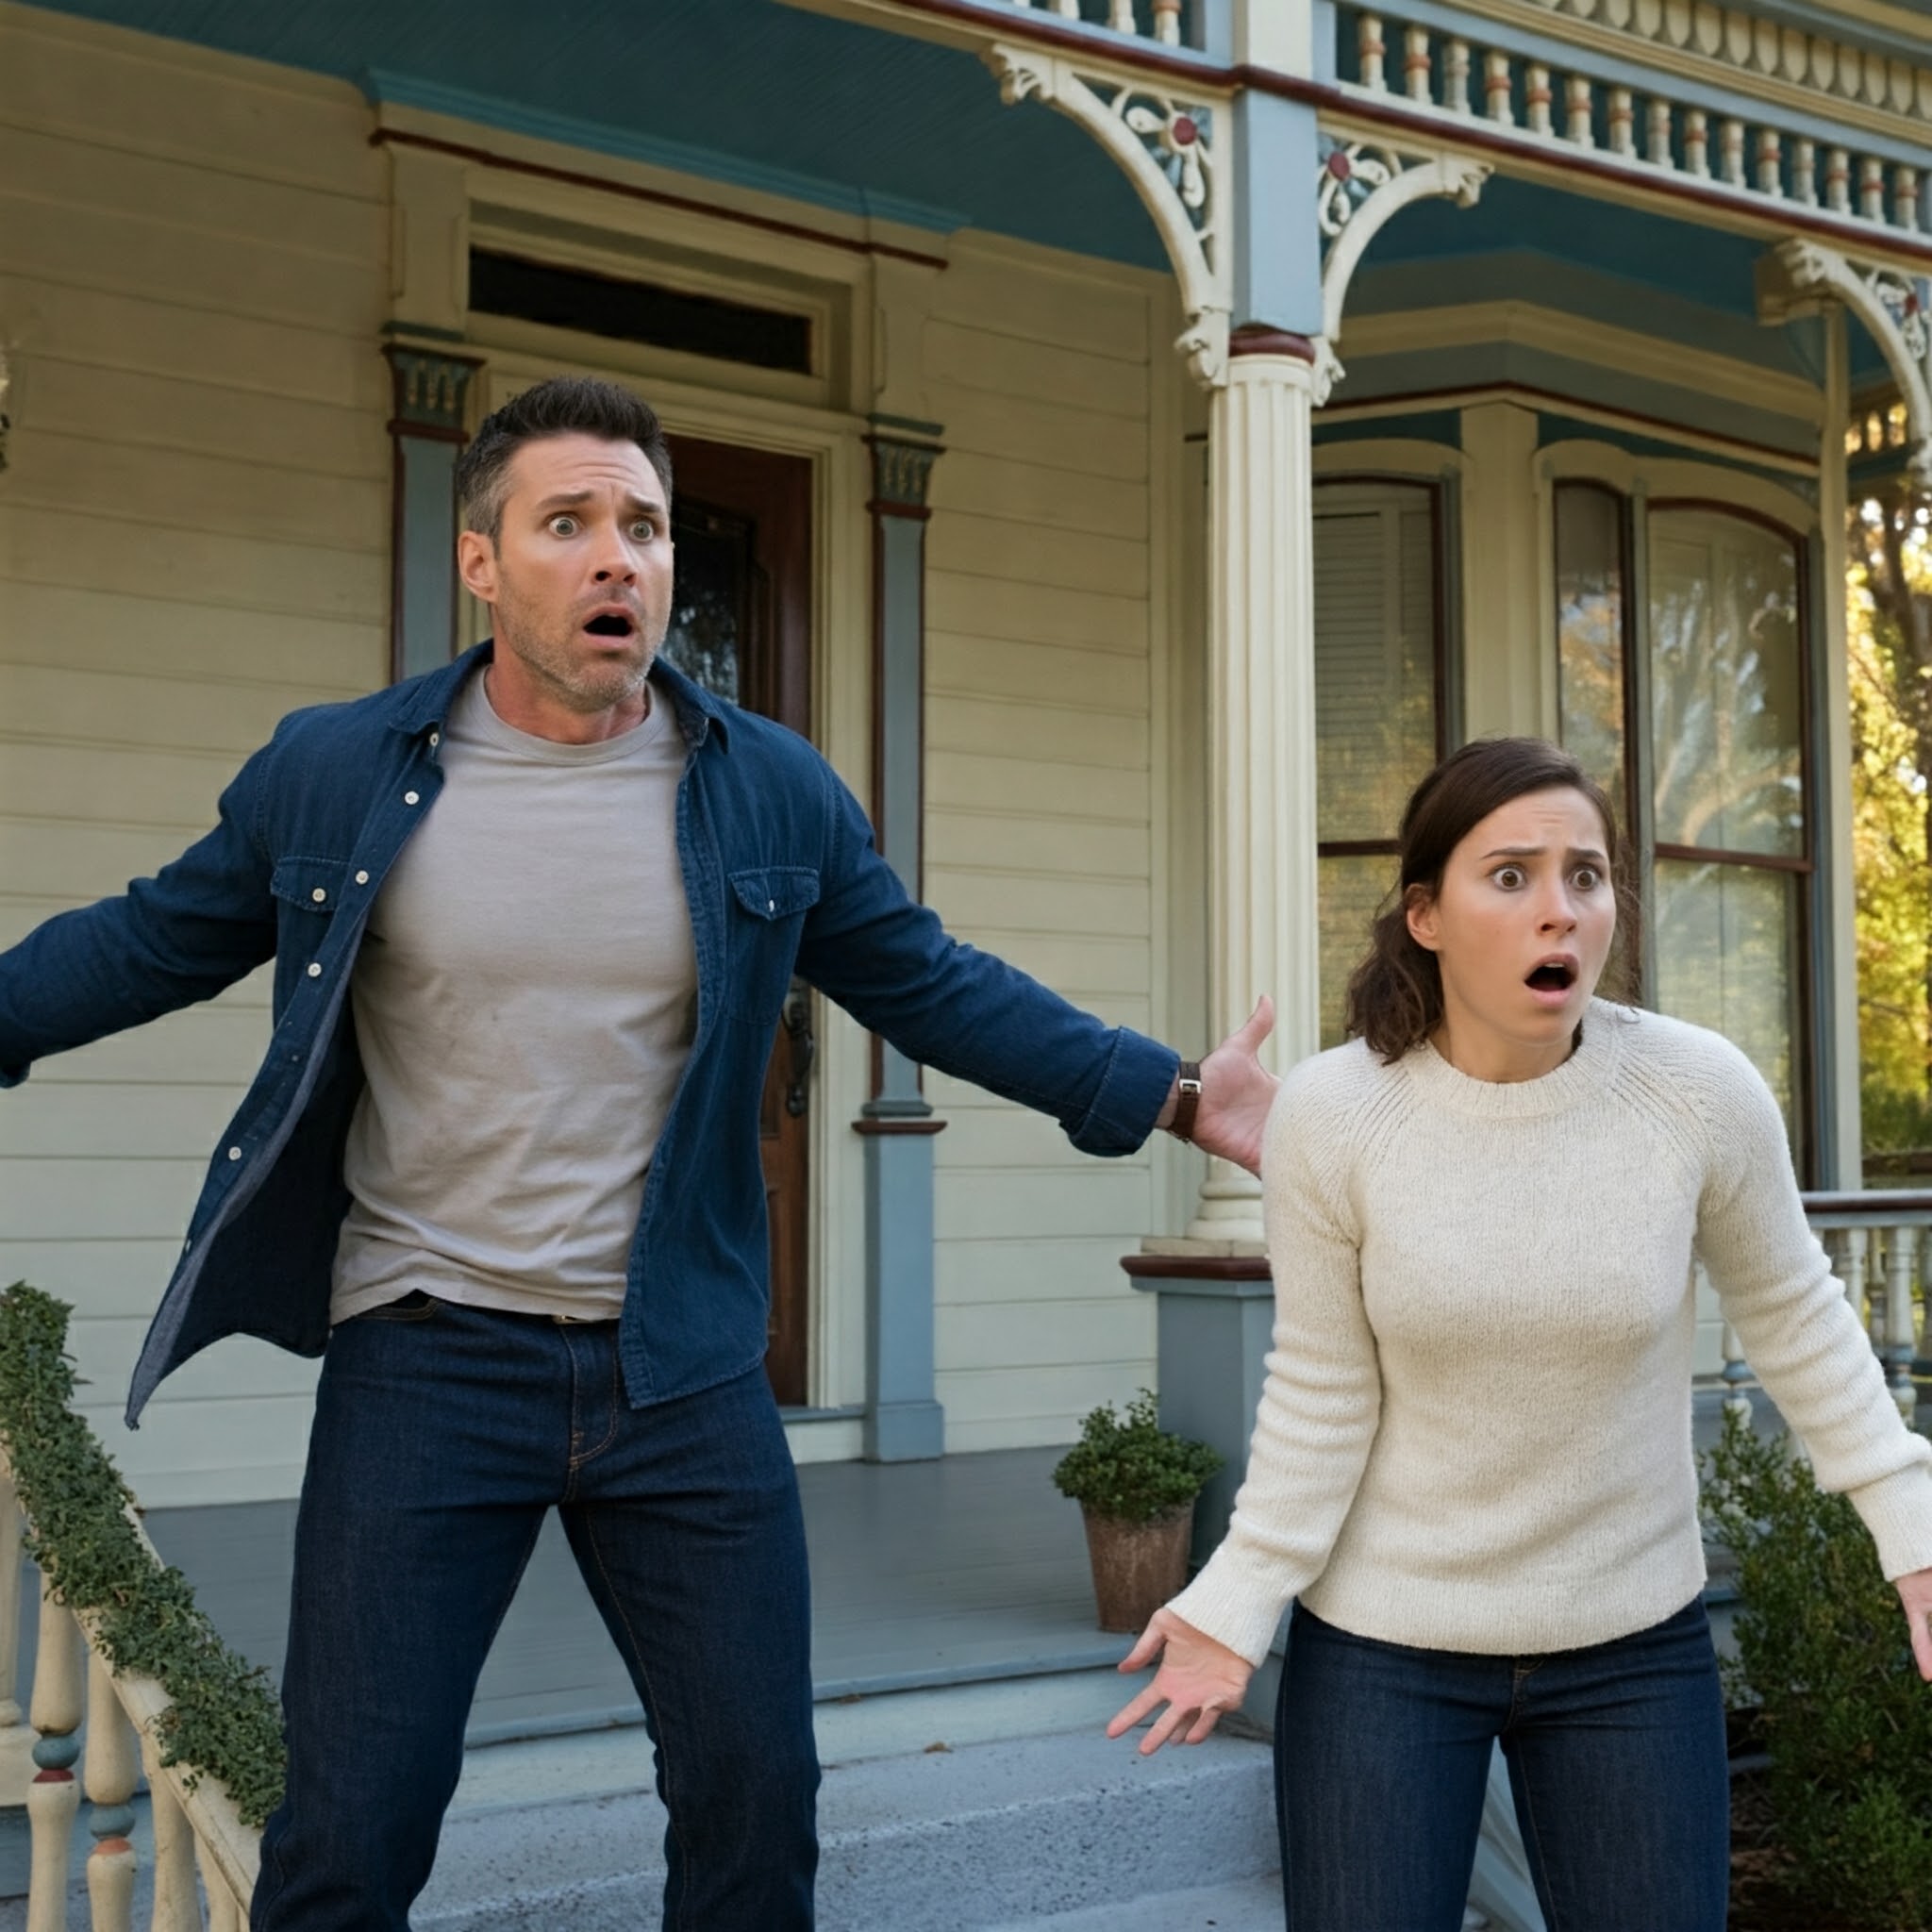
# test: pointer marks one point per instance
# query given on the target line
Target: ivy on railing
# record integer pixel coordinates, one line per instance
(224, 1722)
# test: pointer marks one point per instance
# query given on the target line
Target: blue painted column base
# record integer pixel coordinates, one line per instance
(902, 1423)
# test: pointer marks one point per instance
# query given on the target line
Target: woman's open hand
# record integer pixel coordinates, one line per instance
(1197, 1680)
(1915, 1593)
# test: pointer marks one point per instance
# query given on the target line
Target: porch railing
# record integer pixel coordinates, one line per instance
(1591, 111)
(198, 1835)
(1152, 20)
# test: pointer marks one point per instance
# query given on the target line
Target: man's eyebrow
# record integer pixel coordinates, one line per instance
(570, 499)
(1537, 851)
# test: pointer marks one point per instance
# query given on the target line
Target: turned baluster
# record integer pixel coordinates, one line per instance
(53, 1799)
(1901, 1257)
(177, 1904)
(1621, 121)
(1731, 151)
(1735, 1374)
(1579, 113)
(1416, 71)
(1497, 102)
(1167, 22)
(1771, 173)
(1455, 76)
(223, 1914)
(1371, 50)
(15, 1737)
(1838, 181)
(1660, 132)
(1122, 17)
(1696, 143)
(1904, 196)
(1067, 10)
(1850, 1247)
(1536, 97)
(1872, 188)
(1805, 172)
(112, 1768)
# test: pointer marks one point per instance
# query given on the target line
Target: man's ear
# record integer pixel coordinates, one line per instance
(1419, 911)
(477, 565)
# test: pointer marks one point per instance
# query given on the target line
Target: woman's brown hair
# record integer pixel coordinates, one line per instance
(1395, 994)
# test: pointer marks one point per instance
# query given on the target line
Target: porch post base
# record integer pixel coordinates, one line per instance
(905, 1432)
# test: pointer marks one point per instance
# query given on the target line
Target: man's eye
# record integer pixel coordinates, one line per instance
(645, 530)
(563, 527)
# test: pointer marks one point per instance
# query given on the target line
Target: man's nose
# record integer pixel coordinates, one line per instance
(616, 562)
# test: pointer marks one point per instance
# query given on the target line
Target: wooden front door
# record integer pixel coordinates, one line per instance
(741, 624)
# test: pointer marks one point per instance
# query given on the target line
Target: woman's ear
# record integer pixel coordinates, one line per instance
(1419, 913)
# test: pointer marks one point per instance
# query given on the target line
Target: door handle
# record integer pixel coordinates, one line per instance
(804, 1050)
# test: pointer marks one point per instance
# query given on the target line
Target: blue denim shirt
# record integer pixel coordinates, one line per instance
(781, 874)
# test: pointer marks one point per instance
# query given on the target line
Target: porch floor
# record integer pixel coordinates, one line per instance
(970, 1567)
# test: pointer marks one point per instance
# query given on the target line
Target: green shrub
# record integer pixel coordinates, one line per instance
(1824, 1655)
(224, 1723)
(1132, 1470)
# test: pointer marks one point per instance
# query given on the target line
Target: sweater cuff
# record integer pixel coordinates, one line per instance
(1233, 1610)
(1897, 1509)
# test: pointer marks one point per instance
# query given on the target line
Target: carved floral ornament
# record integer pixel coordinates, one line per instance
(1799, 277)
(1166, 145)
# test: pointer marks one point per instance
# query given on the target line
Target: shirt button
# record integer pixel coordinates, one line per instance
(318, 895)
(361, 878)
(410, 797)
(435, 739)
(771, 905)
(315, 969)
(234, 1154)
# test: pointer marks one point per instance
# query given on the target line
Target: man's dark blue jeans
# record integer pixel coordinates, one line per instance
(443, 1435)
(1616, 1757)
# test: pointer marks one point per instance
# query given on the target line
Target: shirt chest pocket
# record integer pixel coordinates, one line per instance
(765, 914)
(307, 894)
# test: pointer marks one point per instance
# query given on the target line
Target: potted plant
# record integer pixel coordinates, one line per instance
(1136, 1484)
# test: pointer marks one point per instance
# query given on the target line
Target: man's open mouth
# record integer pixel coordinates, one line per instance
(610, 623)
(1553, 976)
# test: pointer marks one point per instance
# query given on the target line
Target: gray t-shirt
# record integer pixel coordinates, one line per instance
(524, 1000)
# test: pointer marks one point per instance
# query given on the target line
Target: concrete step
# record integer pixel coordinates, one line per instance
(943, 1841)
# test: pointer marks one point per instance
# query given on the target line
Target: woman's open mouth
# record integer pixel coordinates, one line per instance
(1551, 980)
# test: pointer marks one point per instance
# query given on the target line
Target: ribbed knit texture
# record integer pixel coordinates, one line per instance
(1476, 1429)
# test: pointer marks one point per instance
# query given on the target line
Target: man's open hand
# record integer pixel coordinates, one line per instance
(1236, 1090)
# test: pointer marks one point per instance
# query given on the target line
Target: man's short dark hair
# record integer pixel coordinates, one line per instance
(563, 405)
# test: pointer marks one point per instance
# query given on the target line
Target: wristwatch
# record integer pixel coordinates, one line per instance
(1188, 1080)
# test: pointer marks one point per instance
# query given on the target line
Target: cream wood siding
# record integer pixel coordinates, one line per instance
(1040, 810)
(193, 540)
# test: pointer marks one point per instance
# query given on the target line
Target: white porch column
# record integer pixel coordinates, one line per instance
(1262, 930)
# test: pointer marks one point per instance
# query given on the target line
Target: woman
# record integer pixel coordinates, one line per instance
(1472, 1465)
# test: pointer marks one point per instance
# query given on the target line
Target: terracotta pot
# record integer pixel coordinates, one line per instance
(1137, 1566)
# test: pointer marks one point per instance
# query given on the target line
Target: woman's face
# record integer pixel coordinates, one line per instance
(1520, 927)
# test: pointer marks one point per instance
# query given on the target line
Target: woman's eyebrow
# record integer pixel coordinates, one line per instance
(1537, 851)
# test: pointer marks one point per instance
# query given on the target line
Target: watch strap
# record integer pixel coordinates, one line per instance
(1186, 1102)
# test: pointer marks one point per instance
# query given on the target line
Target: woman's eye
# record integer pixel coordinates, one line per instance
(1508, 877)
(1587, 877)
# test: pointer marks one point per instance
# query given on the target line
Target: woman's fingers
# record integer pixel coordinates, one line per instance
(1915, 1593)
(1131, 1714)
(1205, 1722)
(1146, 1649)
(1163, 1728)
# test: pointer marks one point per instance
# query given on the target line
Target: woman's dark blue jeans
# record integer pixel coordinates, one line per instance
(443, 1435)
(1616, 1757)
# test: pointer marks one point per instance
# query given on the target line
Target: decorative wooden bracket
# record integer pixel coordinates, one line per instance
(1798, 276)
(1167, 147)
(1362, 187)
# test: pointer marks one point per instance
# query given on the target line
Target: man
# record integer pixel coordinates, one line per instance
(533, 918)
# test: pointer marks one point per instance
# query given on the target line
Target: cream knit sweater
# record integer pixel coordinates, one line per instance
(1476, 1429)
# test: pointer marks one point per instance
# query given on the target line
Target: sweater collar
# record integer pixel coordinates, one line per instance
(1585, 1073)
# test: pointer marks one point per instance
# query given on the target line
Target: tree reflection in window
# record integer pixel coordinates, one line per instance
(713, 598)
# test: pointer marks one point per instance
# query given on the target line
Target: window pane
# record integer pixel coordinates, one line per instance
(1590, 630)
(1350, 892)
(1374, 653)
(1727, 958)
(1726, 727)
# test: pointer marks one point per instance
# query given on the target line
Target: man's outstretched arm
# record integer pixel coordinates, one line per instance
(201, 923)
(895, 967)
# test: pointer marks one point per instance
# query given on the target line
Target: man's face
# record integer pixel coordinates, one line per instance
(579, 576)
